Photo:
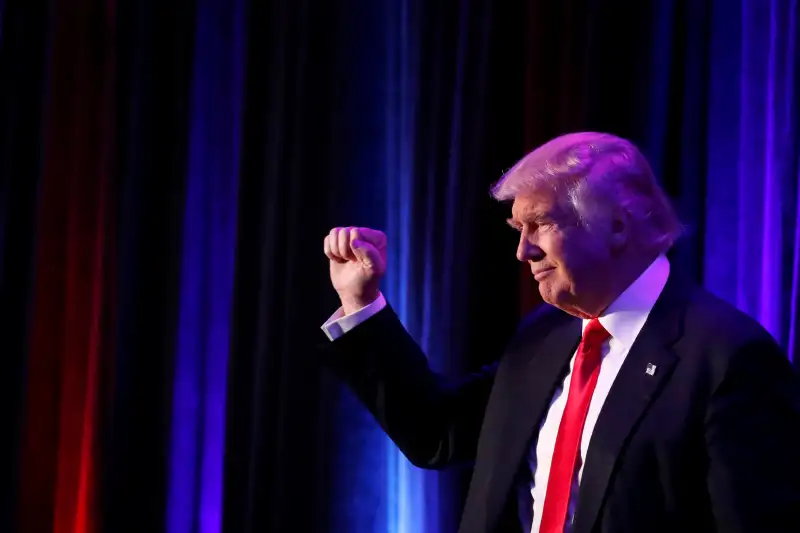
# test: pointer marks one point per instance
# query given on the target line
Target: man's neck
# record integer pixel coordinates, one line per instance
(625, 273)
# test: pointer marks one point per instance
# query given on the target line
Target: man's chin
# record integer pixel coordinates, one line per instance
(556, 298)
(549, 296)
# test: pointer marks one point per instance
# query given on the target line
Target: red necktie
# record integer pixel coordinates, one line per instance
(565, 455)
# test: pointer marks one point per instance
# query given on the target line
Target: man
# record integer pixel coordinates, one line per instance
(631, 401)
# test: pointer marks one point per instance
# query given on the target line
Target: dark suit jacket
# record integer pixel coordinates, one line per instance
(709, 443)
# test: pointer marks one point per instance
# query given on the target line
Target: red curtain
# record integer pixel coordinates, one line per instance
(70, 345)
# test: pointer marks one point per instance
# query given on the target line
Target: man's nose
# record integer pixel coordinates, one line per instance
(528, 251)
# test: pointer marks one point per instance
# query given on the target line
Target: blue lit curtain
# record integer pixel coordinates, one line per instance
(418, 101)
(197, 444)
(752, 253)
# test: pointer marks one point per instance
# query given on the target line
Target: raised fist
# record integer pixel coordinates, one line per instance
(357, 263)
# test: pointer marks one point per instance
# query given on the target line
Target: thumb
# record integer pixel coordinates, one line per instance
(366, 253)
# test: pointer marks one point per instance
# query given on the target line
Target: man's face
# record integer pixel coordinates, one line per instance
(567, 260)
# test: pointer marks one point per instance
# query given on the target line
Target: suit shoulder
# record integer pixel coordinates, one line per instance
(726, 340)
(710, 317)
(722, 344)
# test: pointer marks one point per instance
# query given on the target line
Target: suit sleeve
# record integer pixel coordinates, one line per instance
(753, 442)
(435, 422)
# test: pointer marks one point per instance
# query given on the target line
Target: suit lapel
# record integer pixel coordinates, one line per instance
(632, 392)
(514, 412)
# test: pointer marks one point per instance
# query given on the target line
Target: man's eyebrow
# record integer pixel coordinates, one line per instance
(536, 217)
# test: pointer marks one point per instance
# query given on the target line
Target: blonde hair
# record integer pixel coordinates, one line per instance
(591, 173)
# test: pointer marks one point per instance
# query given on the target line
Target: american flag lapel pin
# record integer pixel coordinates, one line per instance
(651, 369)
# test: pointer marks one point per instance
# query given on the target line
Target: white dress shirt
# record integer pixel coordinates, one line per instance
(623, 320)
(339, 323)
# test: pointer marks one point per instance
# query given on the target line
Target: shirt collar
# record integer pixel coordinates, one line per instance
(626, 316)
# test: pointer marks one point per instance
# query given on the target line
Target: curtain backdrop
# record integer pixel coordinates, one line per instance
(23, 71)
(168, 170)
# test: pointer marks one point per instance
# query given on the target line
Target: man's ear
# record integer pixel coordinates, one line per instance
(619, 227)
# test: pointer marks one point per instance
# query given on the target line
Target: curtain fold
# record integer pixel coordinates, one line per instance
(155, 44)
(278, 441)
(752, 211)
(197, 436)
(24, 30)
(74, 266)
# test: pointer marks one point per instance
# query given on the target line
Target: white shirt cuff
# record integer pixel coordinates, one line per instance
(339, 323)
